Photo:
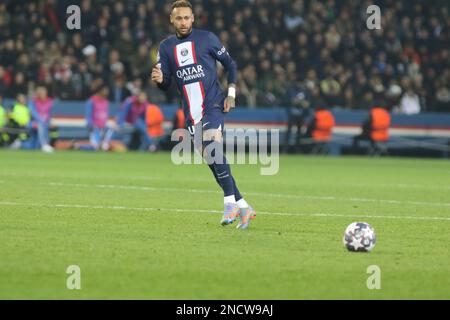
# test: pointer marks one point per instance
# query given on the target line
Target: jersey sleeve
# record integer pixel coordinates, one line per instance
(220, 53)
(163, 62)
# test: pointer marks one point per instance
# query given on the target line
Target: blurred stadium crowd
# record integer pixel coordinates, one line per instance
(289, 53)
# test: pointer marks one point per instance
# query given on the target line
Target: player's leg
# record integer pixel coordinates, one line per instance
(237, 195)
(197, 139)
(240, 201)
(211, 167)
(246, 212)
(214, 156)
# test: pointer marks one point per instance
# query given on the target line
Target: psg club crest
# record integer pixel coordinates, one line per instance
(184, 52)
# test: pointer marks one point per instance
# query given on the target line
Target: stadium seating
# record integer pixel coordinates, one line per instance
(322, 45)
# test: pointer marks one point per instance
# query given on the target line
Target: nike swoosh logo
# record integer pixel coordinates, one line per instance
(205, 124)
(184, 61)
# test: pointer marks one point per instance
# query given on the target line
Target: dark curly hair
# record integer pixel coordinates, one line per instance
(181, 4)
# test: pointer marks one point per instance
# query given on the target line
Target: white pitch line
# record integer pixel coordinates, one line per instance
(150, 178)
(128, 178)
(292, 214)
(276, 195)
(400, 186)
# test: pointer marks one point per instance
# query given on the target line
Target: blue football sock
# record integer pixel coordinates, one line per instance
(214, 173)
(214, 157)
(237, 194)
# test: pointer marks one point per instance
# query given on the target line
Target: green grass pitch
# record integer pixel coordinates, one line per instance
(140, 227)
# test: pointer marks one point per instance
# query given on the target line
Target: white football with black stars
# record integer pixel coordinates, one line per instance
(359, 237)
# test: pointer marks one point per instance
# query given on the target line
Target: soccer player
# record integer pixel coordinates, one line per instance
(190, 57)
(40, 108)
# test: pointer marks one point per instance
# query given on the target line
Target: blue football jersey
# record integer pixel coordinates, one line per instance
(192, 62)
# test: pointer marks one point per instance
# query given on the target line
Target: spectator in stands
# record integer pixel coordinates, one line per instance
(18, 86)
(80, 81)
(442, 97)
(141, 63)
(410, 104)
(40, 107)
(393, 96)
(331, 90)
(2, 81)
(153, 91)
(119, 90)
(308, 35)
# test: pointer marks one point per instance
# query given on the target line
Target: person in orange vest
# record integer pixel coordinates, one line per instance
(154, 119)
(375, 128)
(320, 128)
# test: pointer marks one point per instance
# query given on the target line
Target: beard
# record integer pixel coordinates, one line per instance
(183, 33)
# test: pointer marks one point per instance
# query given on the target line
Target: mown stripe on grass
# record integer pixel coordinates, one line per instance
(257, 194)
(126, 208)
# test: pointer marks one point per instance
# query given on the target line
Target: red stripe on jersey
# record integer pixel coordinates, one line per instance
(176, 56)
(189, 103)
(194, 55)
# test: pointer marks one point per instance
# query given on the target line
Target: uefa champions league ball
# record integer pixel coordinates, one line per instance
(360, 237)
